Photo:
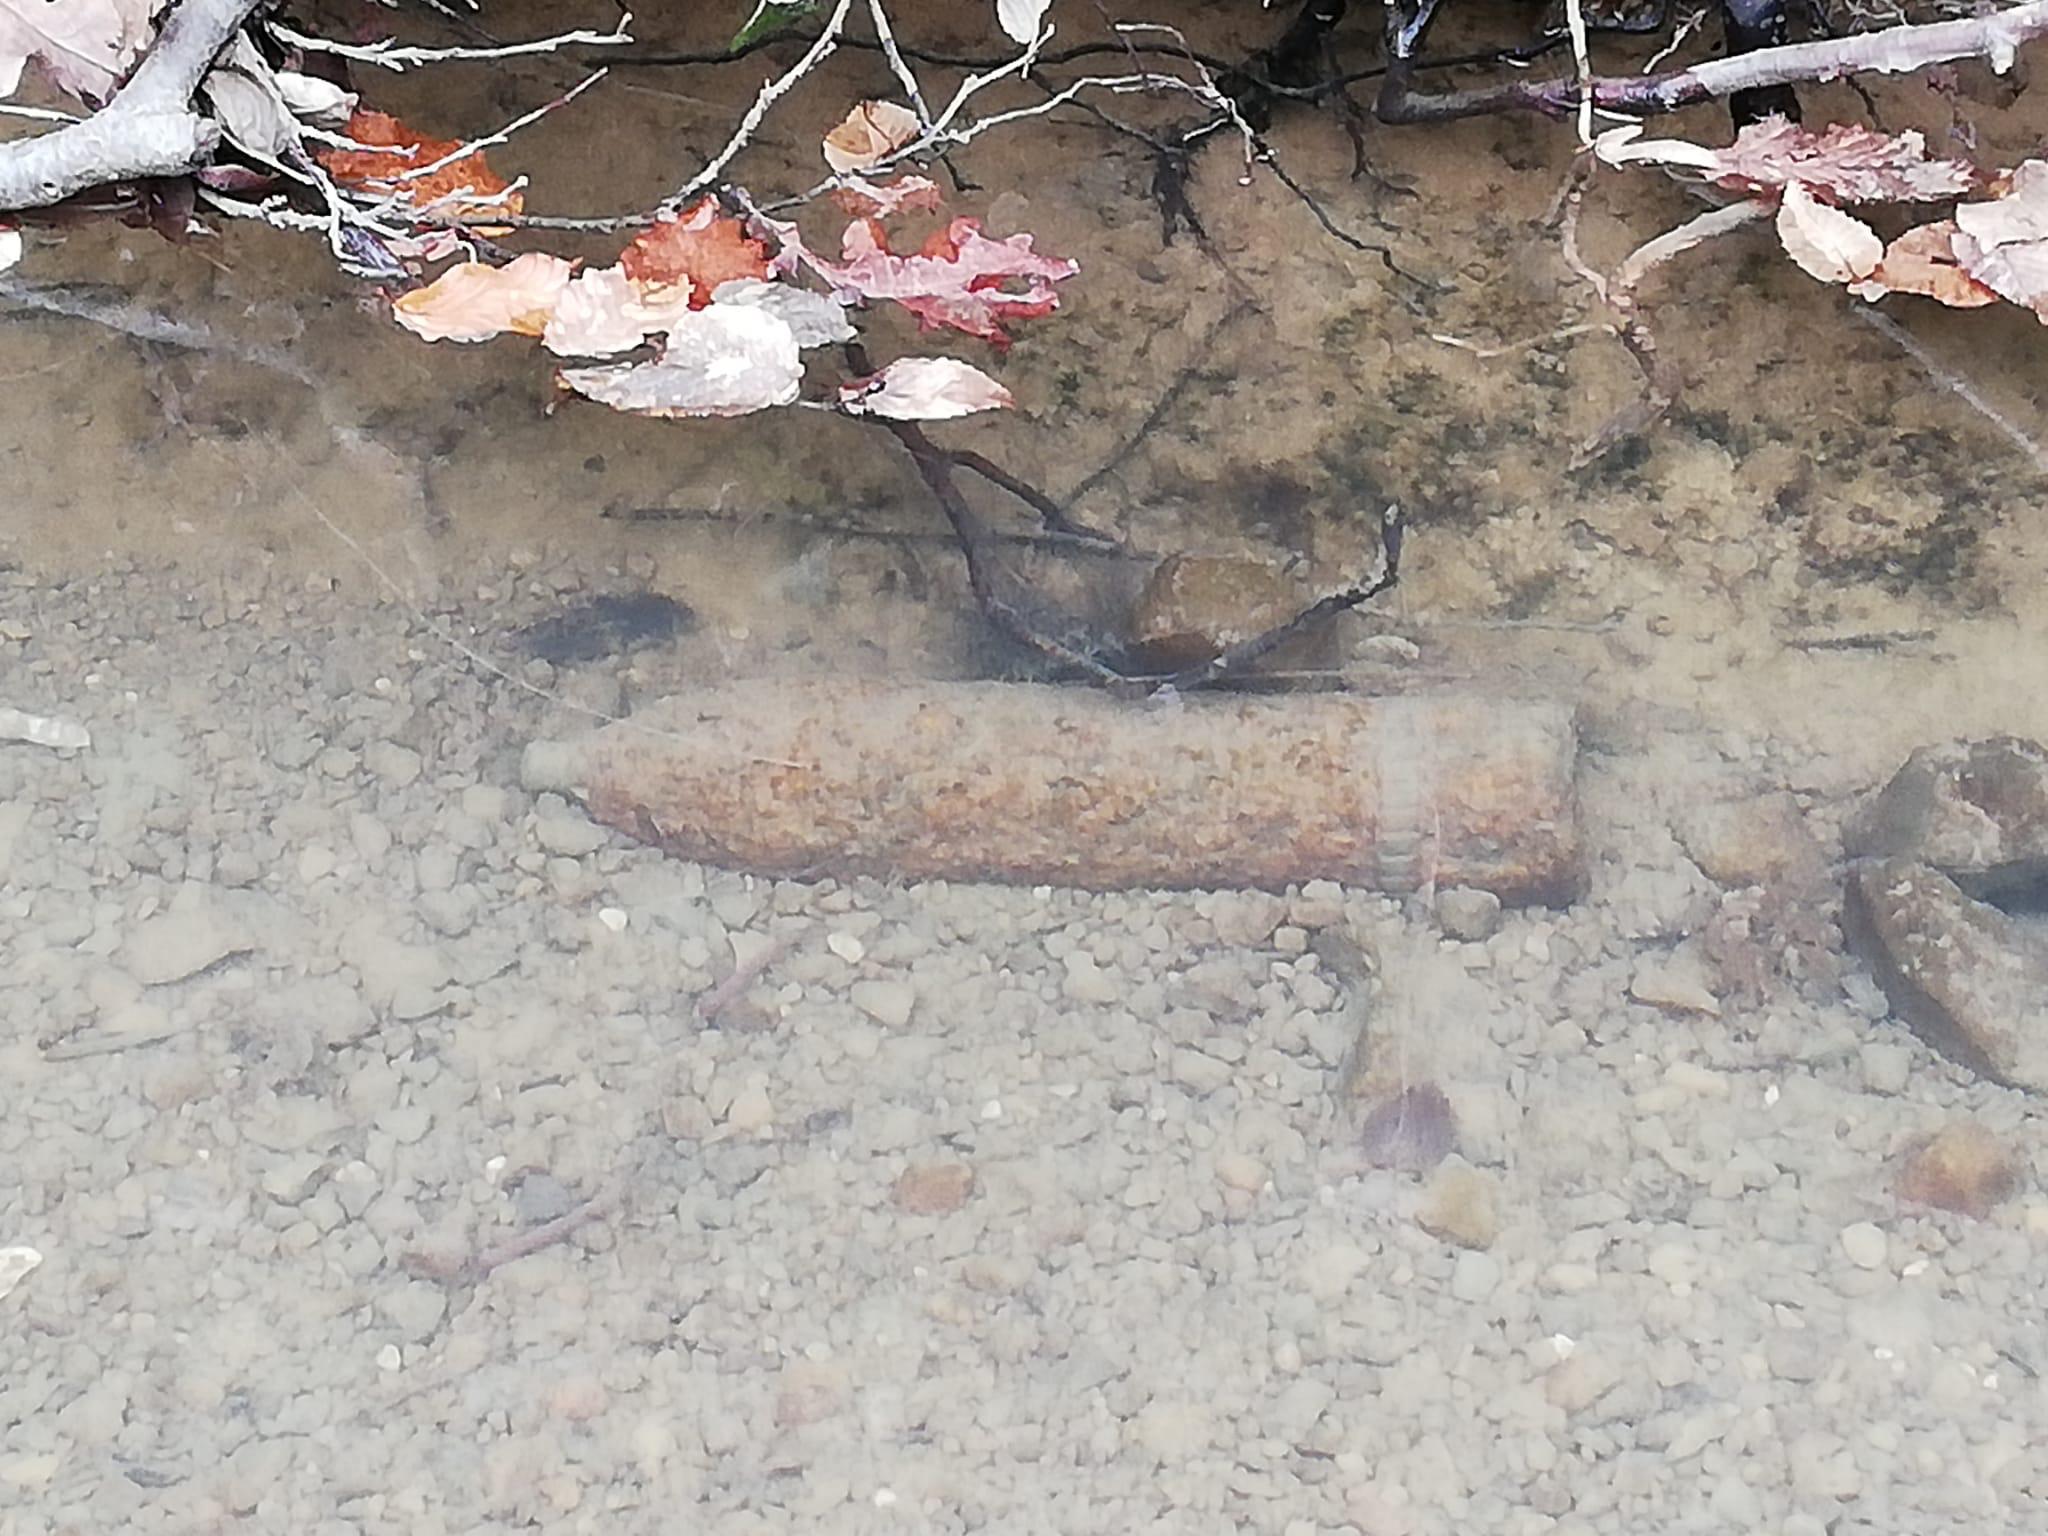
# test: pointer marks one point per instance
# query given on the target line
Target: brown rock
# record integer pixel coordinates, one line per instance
(1977, 811)
(1755, 841)
(1460, 1208)
(1969, 979)
(1197, 606)
(1961, 1167)
(934, 1189)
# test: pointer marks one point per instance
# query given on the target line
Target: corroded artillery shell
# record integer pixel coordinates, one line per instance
(1057, 786)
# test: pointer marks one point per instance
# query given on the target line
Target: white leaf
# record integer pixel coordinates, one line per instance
(818, 319)
(10, 248)
(253, 116)
(596, 316)
(1021, 19)
(727, 360)
(1826, 242)
(315, 98)
(924, 389)
(474, 302)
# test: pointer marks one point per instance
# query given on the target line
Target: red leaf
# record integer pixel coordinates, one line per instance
(397, 151)
(701, 247)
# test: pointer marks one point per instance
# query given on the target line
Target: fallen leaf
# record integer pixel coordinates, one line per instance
(869, 200)
(871, 130)
(602, 312)
(243, 93)
(957, 280)
(924, 389)
(394, 151)
(1826, 242)
(10, 248)
(1843, 163)
(80, 46)
(474, 302)
(2002, 242)
(1961, 1167)
(727, 360)
(1923, 261)
(701, 246)
(1021, 19)
(816, 319)
(312, 97)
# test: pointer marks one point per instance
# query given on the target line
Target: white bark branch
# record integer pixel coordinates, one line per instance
(148, 129)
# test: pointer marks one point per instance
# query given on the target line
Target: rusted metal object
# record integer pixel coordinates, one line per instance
(1050, 786)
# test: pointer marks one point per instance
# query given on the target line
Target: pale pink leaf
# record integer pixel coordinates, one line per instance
(603, 312)
(960, 279)
(1842, 163)
(726, 360)
(1826, 242)
(82, 46)
(474, 302)
(924, 389)
(871, 130)
(870, 200)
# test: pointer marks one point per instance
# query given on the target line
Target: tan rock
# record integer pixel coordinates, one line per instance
(1460, 1206)
(1962, 1167)
(934, 1189)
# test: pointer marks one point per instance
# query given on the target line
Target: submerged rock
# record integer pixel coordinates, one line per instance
(1971, 980)
(1977, 811)
(1195, 607)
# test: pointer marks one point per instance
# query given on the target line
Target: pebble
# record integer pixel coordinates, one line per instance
(397, 766)
(1475, 1276)
(1460, 1206)
(414, 1308)
(847, 948)
(933, 1189)
(750, 1110)
(569, 837)
(1865, 1245)
(888, 1003)
(178, 944)
(1087, 982)
(1468, 915)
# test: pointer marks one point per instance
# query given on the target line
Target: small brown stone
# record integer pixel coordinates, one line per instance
(934, 1189)
(1962, 1167)
(1459, 1207)
(1197, 606)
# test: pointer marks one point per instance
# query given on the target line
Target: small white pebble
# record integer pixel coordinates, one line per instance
(846, 947)
(613, 918)
(389, 1359)
(992, 1110)
(884, 1497)
(1865, 1245)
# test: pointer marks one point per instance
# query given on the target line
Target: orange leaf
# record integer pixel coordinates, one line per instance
(384, 170)
(1923, 260)
(701, 247)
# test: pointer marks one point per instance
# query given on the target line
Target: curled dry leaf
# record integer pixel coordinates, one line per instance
(700, 247)
(871, 130)
(1923, 261)
(728, 360)
(924, 389)
(1841, 162)
(1826, 242)
(2003, 241)
(474, 302)
(961, 279)
(314, 98)
(393, 151)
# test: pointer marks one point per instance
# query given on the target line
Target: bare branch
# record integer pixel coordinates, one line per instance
(148, 129)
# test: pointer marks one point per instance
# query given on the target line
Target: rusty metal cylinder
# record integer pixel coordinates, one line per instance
(1057, 786)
